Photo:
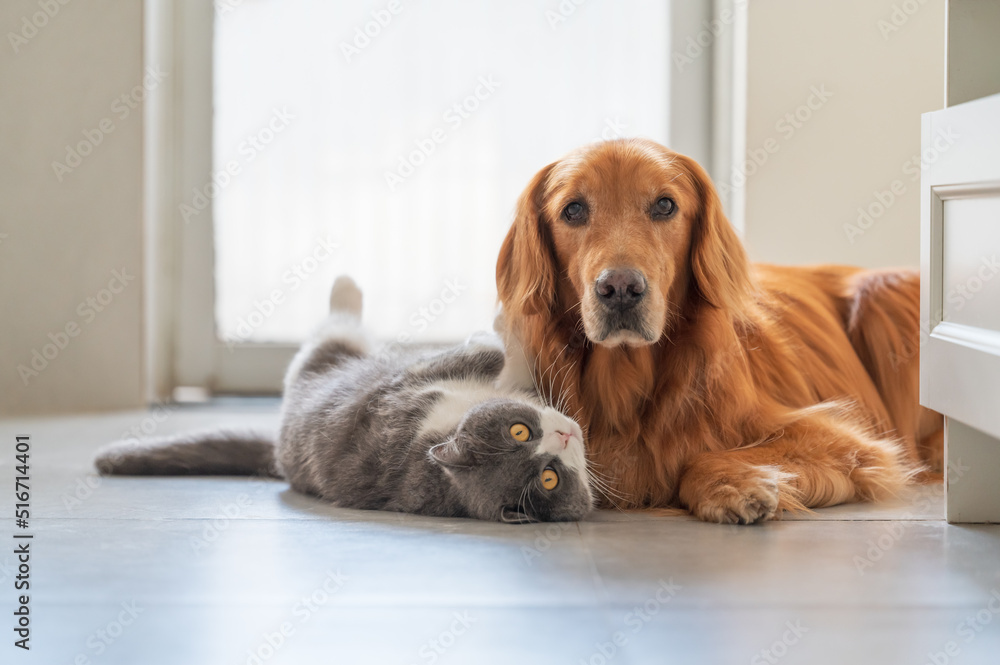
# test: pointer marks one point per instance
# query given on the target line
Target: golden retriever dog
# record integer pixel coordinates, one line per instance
(733, 390)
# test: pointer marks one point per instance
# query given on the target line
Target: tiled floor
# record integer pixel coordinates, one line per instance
(234, 571)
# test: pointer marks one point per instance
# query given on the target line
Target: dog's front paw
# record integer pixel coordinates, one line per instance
(744, 495)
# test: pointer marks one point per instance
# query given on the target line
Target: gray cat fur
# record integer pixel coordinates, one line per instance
(354, 431)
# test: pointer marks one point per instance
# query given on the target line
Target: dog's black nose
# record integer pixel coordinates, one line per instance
(620, 289)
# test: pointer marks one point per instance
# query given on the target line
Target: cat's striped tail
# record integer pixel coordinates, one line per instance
(218, 452)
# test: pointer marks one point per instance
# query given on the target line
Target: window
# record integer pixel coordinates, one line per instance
(390, 141)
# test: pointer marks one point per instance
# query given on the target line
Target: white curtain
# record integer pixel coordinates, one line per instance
(317, 101)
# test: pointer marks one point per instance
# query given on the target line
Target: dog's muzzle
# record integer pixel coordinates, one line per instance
(621, 292)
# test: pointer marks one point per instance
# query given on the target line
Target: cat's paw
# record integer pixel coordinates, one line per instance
(484, 341)
(752, 495)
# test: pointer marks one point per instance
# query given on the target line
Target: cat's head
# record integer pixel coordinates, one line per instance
(512, 461)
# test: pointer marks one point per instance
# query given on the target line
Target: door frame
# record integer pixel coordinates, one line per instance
(184, 350)
(960, 363)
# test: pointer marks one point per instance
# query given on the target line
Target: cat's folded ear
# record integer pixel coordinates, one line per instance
(510, 515)
(450, 455)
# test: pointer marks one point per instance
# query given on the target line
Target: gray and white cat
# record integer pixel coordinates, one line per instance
(408, 431)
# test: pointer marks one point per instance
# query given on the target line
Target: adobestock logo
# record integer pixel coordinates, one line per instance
(363, 35)
(899, 16)
(612, 129)
(121, 108)
(544, 541)
(87, 310)
(226, 7)
(75, 495)
(434, 648)
(249, 148)
(787, 126)
(424, 316)
(695, 46)
(101, 640)
(637, 619)
(962, 293)
(563, 11)
(884, 199)
(215, 527)
(893, 532)
(294, 277)
(31, 25)
(968, 629)
(454, 116)
(421, 319)
(303, 610)
(779, 648)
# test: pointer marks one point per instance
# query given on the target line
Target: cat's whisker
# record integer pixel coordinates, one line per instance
(613, 497)
(591, 467)
(534, 382)
(594, 473)
(608, 499)
(520, 500)
(562, 387)
(565, 397)
(563, 374)
(547, 385)
(605, 487)
(601, 478)
(531, 505)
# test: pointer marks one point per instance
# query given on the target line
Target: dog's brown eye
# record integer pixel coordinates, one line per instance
(664, 207)
(575, 213)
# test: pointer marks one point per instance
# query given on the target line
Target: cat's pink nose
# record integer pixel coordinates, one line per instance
(565, 436)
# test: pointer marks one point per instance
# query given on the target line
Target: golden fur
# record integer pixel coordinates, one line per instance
(741, 390)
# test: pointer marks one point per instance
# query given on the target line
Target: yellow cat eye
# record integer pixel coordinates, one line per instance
(520, 432)
(549, 478)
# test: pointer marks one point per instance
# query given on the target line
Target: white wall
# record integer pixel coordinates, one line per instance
(882, 68)
(63, 240)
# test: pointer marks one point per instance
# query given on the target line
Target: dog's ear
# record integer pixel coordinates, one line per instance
(718, 261)
(526, 267)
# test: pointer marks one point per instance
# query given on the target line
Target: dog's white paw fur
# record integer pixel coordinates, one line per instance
(751, 498)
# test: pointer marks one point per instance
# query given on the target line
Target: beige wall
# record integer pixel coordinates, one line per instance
(60, 241)
(869, 71)
(63, 240)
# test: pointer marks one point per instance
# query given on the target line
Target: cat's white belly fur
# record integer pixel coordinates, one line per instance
(459, 397)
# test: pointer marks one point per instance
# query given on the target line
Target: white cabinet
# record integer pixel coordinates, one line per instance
(960, 299)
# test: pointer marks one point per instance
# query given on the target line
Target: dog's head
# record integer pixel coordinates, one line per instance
(627, 230)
